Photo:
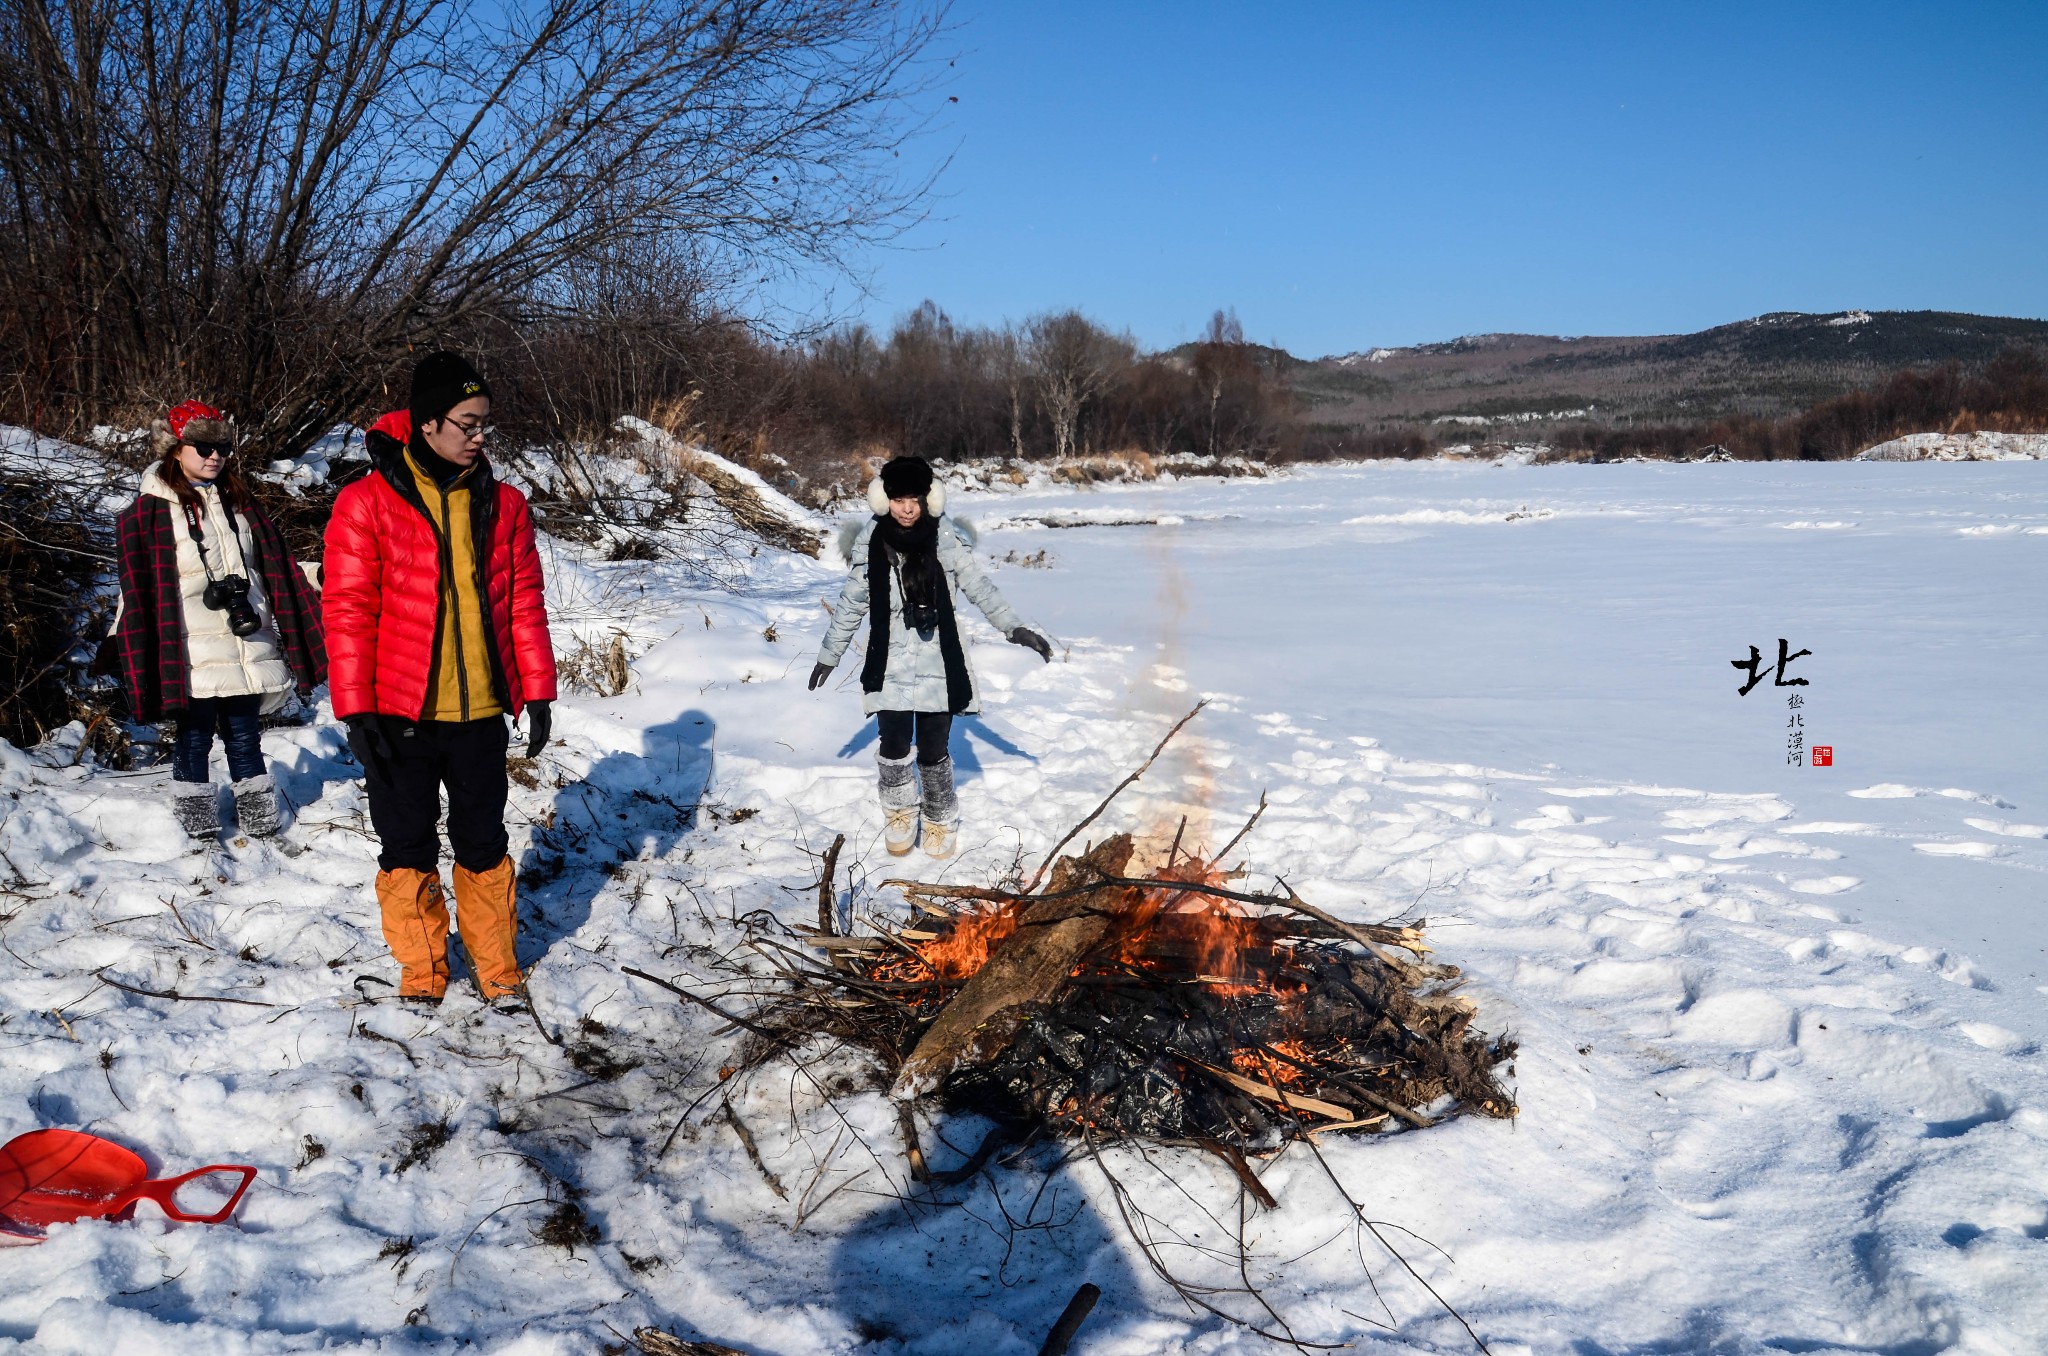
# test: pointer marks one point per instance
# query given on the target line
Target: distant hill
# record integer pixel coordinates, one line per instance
(1771, 366)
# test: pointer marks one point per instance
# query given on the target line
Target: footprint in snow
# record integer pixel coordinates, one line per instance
(2009, 830)
(1963, 849)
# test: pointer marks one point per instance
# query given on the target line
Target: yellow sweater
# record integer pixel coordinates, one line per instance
(463, 687)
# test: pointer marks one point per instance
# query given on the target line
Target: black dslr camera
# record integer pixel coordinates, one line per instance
(230, 594)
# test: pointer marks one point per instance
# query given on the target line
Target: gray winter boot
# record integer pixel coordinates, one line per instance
(899, 803)
(941, 808)
(197, 806)
(256, 807)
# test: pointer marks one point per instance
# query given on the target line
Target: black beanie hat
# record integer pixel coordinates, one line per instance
(440, 382)
(903, 477)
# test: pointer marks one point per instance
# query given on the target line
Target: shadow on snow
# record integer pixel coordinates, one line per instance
(628, 806)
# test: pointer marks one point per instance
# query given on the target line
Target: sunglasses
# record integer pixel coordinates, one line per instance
(472, 432)
(211, 449)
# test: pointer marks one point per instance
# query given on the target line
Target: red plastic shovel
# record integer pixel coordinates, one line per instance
(56, 1176)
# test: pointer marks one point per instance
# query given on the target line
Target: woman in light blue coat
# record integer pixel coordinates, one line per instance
(907, 563)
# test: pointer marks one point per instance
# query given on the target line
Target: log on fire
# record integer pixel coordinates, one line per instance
(1026, 968)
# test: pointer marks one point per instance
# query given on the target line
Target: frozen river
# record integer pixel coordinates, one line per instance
(1579, 621)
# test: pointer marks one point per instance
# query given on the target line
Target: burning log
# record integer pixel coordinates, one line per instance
(1049, 939)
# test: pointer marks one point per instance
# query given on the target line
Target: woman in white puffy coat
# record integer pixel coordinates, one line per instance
(217, 627)
(906, 564)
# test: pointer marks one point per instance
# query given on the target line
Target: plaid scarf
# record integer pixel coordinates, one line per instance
(151, 637)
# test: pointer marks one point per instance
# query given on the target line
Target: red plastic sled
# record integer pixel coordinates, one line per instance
(56, 1176)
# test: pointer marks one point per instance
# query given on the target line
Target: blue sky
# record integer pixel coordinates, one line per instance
(1355, 174)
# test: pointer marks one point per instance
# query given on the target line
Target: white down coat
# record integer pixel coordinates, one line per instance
(916, 676)
(223, 663)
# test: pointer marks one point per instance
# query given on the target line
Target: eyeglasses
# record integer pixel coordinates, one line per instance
(472, 433)
(211, 449)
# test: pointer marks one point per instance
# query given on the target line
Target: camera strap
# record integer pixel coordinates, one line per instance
(910, 610)
(199, 537)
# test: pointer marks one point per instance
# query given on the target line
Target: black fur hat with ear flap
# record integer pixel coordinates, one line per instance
(902, 477)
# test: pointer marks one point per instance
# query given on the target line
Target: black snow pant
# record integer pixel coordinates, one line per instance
(467, 757)
(934, 730)
(239, 721)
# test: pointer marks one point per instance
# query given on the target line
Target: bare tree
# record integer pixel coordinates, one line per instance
(1072, 361)
(919, 381)
(1161, 404)
(275, 200)
(1218, 352)
(975, 379)
(1014, 371)
(1244, 389)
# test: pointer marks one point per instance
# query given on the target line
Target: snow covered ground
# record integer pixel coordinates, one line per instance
(1781, 1079)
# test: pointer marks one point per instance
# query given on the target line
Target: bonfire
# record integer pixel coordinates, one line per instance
(1166, 1003)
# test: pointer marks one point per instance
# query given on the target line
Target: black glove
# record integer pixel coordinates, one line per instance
(1031, 640)
(819, 673)
(539, 723)
(368, 740)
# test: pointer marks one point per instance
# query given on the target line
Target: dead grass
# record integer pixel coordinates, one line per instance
(751, 511)
(421, 1142)
(600, 667)
(566, 1226)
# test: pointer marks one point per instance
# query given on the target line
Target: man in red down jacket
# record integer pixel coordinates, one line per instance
(437, 631)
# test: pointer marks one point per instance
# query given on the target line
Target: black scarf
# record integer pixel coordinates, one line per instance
(438, 468)
(914, 551)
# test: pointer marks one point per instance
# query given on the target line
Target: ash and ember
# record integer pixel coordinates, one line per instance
(1188, 1017)
(1113, 1057)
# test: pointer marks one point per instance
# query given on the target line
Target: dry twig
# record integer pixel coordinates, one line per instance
(825, 891)
(1091, 816)
(102, 977)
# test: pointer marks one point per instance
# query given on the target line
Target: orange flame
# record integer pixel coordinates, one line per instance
(1198, 935)
(1173, 934)
(1263, 1068)
(961, 950)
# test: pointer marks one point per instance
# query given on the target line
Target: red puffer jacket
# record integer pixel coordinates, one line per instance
(381, 592)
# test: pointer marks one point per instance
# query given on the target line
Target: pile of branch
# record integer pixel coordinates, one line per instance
(57, 554)
(1089, 1008)
(1167, 1005)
